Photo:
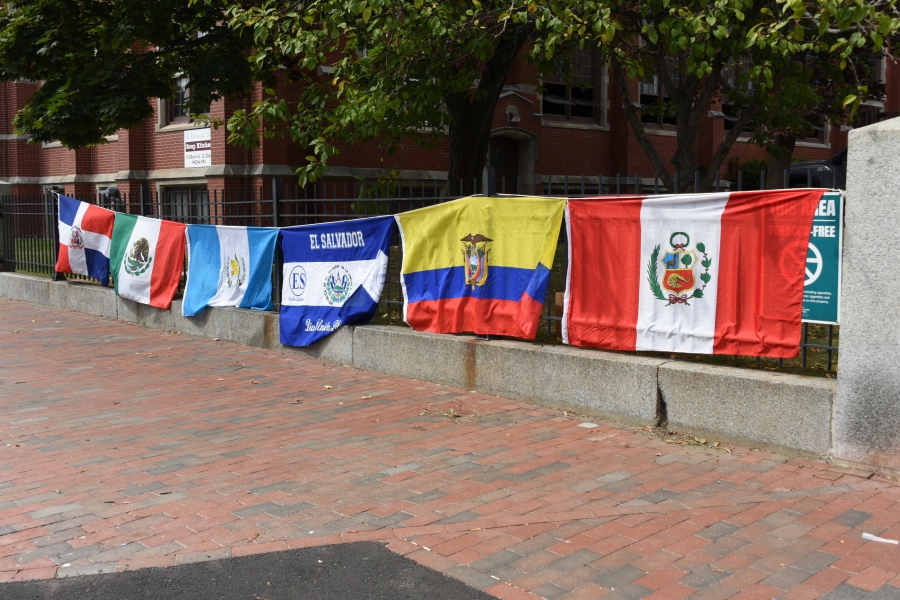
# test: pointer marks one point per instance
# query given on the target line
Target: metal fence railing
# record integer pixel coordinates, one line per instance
(30, 236)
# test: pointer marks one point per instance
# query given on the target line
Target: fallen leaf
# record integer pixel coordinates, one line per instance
(220, 379)
(32, 320)
(476, 529)
(253, 381)
(255, 535)
(353, 531)
(164, 493)
(329, 387)
(366, 397)
(20, 382)
(297, 401)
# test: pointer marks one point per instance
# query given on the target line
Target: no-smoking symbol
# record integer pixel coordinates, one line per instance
(813, 265)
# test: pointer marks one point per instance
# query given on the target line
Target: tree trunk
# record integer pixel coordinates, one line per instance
(472, 114)
(779, 155)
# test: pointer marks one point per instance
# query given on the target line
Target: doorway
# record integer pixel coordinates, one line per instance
(505, 160)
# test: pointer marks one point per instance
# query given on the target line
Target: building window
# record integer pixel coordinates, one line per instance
(185, 205)
(656, 108)
(736, 77)
(176, 109)
(575, 92)
(817, 134)
(865, 115)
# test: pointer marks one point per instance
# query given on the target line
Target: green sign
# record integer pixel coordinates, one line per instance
(822, 288)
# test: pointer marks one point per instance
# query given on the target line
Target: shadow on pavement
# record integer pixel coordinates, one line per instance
(344, 571)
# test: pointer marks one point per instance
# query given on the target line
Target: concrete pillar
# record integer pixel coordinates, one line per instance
(867, 403)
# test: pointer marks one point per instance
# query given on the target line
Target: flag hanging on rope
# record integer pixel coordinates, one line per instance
(85, 232)
(147, 259)
(333, 275)
(479, 264)
(699, 273)
(228, 266)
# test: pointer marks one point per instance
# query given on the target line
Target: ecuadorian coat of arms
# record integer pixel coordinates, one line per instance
(76, 239)
(475, 255)
(678, 265)
(235, 271)
(138, 260)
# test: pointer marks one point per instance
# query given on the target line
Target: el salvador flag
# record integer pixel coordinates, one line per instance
(228, 266)
(333, 276)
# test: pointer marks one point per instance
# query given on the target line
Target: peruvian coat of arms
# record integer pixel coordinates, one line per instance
(678, 266)
(475, 259)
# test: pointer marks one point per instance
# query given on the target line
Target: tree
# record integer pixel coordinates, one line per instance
(754, 55)
(398, 71)
(100, 62)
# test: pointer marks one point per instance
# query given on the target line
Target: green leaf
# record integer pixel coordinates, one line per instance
(686, 260)
(706, 262)
(701, 247)
(653, 276)
(705, 277)
(698, 293)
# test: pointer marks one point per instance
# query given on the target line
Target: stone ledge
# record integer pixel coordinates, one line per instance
(777, 410)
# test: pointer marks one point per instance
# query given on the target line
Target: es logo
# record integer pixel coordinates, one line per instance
(297, 281)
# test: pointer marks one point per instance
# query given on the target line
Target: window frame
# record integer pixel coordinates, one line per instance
(598, 104)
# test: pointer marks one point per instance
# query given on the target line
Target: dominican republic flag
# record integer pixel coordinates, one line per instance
(85, 231)
(333, 275)
(701, 273)
(147, 259)
(228, 266)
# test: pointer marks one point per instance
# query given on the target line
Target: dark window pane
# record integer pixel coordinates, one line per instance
(583, 102)
(554, 102)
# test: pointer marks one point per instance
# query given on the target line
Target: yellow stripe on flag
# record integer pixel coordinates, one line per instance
(523, 231)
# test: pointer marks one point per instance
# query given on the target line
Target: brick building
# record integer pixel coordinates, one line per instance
(571, 131)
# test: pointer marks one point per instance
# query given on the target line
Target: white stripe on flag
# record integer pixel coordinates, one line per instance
(679, 327)
(368, 274)
(137, 287)
(233, 245)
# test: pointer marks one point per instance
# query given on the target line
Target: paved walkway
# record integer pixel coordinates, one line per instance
(123, 447)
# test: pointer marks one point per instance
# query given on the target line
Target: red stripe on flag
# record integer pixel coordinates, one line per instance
(98, 220)
(606, 272)
(62, 259)
(168, 264)
(762, 263)
(478, 315)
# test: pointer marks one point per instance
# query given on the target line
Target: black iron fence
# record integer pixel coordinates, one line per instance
(30, 236)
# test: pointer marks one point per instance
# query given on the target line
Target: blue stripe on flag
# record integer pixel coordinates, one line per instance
(203, 268)
(68, 209)
(503, 283)
(262, 252)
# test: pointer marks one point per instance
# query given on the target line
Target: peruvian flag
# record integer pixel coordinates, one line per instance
(698, 273)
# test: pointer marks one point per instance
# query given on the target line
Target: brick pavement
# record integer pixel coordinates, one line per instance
(123, 447)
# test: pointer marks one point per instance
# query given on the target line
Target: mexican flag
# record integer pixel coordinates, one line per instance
(147, 259)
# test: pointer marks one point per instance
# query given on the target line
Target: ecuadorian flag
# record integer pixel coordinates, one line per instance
(479, 264)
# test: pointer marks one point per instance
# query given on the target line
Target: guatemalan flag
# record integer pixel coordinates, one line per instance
(85, 232)
(703, 273)
(228, 266)
(333, 276)
(479, 264)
